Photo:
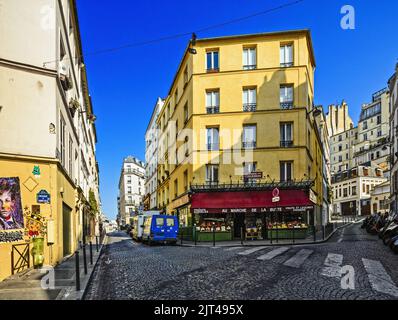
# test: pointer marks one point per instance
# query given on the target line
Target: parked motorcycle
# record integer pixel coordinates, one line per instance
(394, 245)
(390, 233)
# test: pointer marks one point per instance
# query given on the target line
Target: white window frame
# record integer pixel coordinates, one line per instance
(249, 58)
(212, 60)
(210, 173)
(212, 139)
(285, 59)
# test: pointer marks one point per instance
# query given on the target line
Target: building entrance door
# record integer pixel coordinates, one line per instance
(66, 229)
(239, 223)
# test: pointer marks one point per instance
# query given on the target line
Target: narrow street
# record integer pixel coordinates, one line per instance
(129, 270)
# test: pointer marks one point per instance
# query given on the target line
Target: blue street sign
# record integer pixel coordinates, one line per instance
(43, 197)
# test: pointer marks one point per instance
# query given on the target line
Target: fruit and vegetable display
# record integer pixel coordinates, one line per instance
(288, 225)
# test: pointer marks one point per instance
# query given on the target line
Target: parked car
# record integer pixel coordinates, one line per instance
(160, 229)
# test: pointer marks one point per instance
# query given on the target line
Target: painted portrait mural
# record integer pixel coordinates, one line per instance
(11, 213)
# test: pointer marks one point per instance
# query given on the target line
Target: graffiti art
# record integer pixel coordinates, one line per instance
(11, 214)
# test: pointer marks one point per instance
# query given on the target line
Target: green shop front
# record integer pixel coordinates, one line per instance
(251, 214)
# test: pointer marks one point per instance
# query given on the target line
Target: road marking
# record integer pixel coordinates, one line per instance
(333, 264)
(250, 251)
(379, 278)
(233, 249)
(272, 254)
(298, 259)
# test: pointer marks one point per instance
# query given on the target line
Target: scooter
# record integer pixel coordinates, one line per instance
(390, 233)
(394, 246)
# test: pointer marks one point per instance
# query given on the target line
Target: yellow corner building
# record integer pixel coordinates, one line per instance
(237, 132)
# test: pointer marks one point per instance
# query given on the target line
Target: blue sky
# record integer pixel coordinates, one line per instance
(124, 84)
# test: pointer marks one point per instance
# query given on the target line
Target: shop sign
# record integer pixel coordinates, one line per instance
(254, 210)
(180, 201)
(43, 197)
(275, 195)
(312, 196)
(254, 175)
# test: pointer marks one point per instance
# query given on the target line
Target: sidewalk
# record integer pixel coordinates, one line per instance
(28, 284)
(280, 242)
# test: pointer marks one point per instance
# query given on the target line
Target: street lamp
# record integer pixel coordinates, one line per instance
(316, 111)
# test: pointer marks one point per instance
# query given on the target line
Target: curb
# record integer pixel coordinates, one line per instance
(82, 292)
(271, 245)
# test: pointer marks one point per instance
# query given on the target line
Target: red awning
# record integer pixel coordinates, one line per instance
(249, 200)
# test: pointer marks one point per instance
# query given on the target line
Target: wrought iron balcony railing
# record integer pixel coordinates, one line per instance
(213, 147)
(287, 144)
(286, 105)
(250, 67)
(249, 144)
(212, 110)
(249, 107)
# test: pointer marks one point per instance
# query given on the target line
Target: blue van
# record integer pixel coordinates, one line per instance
(160, 228)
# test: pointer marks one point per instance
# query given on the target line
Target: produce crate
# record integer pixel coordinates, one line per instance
(208, 236)
(288, 233)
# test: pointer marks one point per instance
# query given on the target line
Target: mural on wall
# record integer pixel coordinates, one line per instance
(35, 223)
(11, 215)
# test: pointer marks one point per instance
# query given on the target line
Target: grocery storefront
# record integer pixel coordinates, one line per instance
(252, 214)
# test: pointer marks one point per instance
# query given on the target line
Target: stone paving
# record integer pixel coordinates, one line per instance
(129, 270)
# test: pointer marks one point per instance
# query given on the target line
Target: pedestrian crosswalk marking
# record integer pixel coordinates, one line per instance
(233, 248)
(298, 259)
(378, 278)
(250, 251)
(272, 254)
(333, 264)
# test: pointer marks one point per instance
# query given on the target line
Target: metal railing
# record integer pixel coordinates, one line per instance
(286, 105)
(286, 64)
(250, 67)
(22, 261)
(213, 110)
(287, 144)
(213, 147)
(249, 145)
(249, 107)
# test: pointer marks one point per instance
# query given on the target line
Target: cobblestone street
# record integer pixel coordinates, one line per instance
(129, 270)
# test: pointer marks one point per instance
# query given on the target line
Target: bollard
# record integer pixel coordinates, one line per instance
(77, 271)
(181, 235)
(91, 253)
(294, 232)
(84, 258)
(323, 232)
(96, 242)
(194, 233)
(241, 236)
(277, 233)
(314, 233)
(214, 235)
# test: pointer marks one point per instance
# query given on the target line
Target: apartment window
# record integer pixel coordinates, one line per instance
(129, 190)
(185, 76)
(175, 188)
(340, 159)
(345, 192)
(212, 139)
(379, 133)
(63, 140)
(378, 119)
(286, 97)
(286, 55)
(365, 137)
(346, 156)
(211, 173)
(212, 62)
(249, 139)
(249, 100)
(249, 59)
(62, 51)
(128, 179)
(340, 148)
(249, 167)
(186, 180)
(354, 190)
(378, 154)
(365, 125)
(286, 135)
(286, 171)
(213, 101)
(176, 98)
(186, 114)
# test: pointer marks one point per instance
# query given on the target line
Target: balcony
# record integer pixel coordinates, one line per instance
(286, 105)
(287, 144)
(249, 145)
(213, 110)
(249, 107)
(250, 67)
(213, 147)
(212, 70)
